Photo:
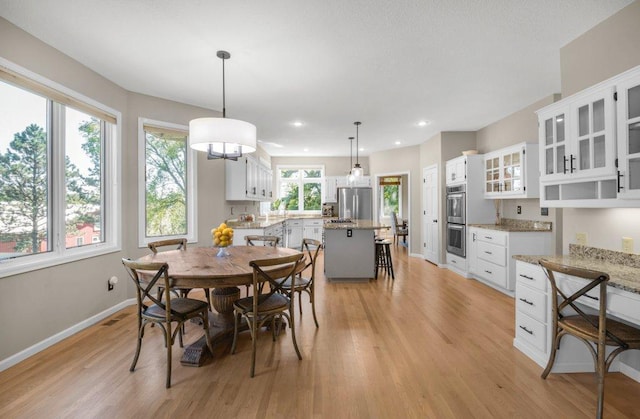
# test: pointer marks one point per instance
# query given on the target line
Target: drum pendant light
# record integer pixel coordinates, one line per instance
(357, 169)
(222, 138)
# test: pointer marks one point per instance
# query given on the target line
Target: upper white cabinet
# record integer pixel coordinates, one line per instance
(512, 172)
(628, 92)
(583, 162)
(331, 189)
(247, 180)
(456, 170)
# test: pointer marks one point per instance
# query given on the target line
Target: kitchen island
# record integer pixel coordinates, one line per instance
(349, 253)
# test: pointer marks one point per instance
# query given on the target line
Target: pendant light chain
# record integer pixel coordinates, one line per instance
(224, 105)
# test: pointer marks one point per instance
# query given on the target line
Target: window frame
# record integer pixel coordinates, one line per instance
(301, 181)
(111, 155)
(192, 184)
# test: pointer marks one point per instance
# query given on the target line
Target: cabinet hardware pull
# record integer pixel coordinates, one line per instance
(488, 237)
(524, 300)
(527, 277)
(489, 253)
(620, 175)
(593, 298)
(564, 165)
(474, 236)
(526, 330)
(489, 272)
(453, 261)
(572, 159)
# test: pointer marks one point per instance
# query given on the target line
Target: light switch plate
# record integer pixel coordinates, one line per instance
(627, 244)
(581, 238)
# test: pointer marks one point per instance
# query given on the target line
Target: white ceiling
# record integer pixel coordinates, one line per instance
(460, 64)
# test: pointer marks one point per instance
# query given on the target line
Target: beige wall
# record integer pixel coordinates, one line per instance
(609, 48)
(404, 160)
(38, 304)
(333, 166)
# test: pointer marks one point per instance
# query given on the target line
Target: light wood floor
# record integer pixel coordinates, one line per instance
(429, 344)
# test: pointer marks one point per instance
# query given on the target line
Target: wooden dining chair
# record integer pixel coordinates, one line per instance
(260, 240)
(163, 312)
(311, 248)
(397, 229)
(595, 331)
(179, 244)
(262, 308)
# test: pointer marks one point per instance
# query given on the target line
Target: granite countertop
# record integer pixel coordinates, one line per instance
(262, 222)
(513, 225)
(356, 225)
(623, 268)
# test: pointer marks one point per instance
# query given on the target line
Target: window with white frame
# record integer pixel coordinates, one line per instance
(58, 173)
(167, 182)
(300, 188)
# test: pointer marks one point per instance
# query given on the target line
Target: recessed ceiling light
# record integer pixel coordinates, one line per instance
(298, 124)
(397, 142)
(423, 123)
(305, 149)
(271, 144)
(361, 149)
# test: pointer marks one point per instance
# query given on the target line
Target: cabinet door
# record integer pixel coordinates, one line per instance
(511, 172)
(593, 138)
(629, 137)
(472, 250)
(252, 178)
(553, 144)
(492, 175)
(330, 189)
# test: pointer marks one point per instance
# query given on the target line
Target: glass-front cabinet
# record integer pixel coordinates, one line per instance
(590, 146)
(629, 138)
(508, 171)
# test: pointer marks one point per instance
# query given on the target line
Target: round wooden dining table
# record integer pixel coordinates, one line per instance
(200, 267)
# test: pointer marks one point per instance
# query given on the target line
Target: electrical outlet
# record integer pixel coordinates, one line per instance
(581, 238)
(519, 209)
(349, 233)
(627, 244)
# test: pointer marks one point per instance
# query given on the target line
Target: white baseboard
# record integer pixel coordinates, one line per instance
(630, 372)
(52, 340)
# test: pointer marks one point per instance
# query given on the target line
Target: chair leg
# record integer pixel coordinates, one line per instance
(552, 357)
(254, 339)
(139, 344)
(313, 308)
(389, 261)
(600, 372)
(293, 332)
(169, 345)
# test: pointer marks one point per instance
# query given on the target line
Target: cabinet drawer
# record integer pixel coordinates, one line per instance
(532, 275)
(294, 223)
(531, 331)
(493, 273)
(495, 237)
(492, 253)
(531, 302)
(313, 222)
(570, 284)
(457, 261)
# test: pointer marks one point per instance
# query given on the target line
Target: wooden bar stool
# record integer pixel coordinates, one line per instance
(383, 257)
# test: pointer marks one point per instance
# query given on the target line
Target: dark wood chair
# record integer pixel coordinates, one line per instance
(179, 244)
(595, 331)
(311, 248)
(262, 308)
(163, 312)
(256, 240)
(398, 230)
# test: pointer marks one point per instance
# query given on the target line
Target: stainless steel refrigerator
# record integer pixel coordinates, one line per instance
(355, 203)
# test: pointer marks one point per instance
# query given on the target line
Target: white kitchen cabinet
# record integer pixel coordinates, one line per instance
(313, 228)
(512, 172)
(331, 189)
(628, 91)
(490, 260)
(247, 180)
(456, 170)
(584, 162)
(275, 230)
(457, 264)
(293, 230)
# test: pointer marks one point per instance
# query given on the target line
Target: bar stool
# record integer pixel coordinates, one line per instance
(383, 257)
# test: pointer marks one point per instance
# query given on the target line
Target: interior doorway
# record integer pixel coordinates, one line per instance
(392, 195)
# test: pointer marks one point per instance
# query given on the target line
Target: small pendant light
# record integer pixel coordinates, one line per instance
(350, 176)
(357, 169)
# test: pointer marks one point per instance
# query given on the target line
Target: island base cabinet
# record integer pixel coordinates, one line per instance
(349, 257)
